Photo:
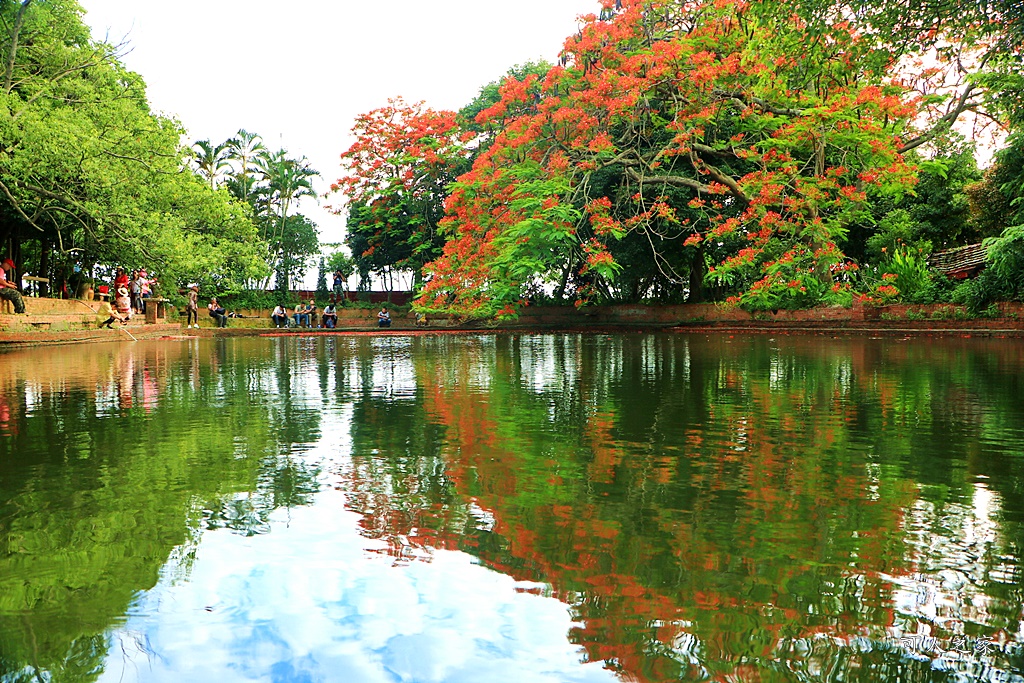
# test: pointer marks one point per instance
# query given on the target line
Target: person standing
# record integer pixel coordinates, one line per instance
(136, 291)
(8, 289)
(192, 307)
(339, 280)
(218, 313)
(145, 288)
(120, 279)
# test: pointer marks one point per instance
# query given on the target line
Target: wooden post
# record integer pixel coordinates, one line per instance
(44, 266)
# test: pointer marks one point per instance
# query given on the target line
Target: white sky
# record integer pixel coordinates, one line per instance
(299, 73)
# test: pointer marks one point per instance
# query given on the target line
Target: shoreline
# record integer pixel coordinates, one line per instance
(74, 322)
(174, 332)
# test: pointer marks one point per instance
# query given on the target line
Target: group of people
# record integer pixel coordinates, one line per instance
(139, 286)
(214, 308)
(130, 294)
(305, 315)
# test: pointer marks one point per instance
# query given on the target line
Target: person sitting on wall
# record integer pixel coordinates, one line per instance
(9, 290)
(421, 320)
(300, 315)
(330, 316)
(383, 317)
(218, 313)
(279, 317)
(311, 313)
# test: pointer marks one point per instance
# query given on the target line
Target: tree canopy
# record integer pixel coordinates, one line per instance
(723, 150)
(90, 173)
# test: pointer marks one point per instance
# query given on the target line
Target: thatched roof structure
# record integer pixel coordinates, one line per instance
(961, 262)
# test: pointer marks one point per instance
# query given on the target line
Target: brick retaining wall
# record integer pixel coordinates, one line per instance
(48, 317)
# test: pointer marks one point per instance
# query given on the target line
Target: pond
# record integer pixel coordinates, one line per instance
(636, 507)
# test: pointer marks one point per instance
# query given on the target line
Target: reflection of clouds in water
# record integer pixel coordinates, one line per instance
(252, 610)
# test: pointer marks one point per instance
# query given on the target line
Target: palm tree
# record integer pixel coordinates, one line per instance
(287, 181)
(247, 151)
(210, 162)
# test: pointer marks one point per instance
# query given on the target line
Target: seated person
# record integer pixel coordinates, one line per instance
(218, 313)
(123, 304)
(330, 317)
(311, 313)
(421, 320)
(383, 317)
(279, 317)
(8, 289)
(300, 315)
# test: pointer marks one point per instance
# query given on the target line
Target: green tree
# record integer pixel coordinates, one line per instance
(291, 237)
(211, 161)
(90, 174)
(322, 292)
(998, 207)
(341, 262)
(293, 248)
(247, 154)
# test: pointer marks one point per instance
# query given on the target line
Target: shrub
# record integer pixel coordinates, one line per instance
(1003, 279)
(910, 269)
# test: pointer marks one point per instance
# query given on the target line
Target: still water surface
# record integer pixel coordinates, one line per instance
(513, 508)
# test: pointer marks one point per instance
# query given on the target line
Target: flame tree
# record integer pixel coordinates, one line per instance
(687, 144)
(396, 173)
(686, 123)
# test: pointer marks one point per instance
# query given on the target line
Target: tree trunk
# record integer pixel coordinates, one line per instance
(13, 50)
(44, 266)
(698, 269)
(564, 282)
(16, 257)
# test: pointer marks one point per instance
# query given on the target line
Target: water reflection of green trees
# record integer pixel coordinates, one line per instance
(112, 460)
(746, 507)
(749, 508)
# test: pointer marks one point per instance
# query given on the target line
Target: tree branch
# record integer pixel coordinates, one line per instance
(673, 180)
(17, 207)
(15, 33)
(963, 104)
(747, 100)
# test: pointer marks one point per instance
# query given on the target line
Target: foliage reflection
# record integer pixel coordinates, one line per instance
(748, 508)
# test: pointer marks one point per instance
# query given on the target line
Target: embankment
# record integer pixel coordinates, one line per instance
(66, 321)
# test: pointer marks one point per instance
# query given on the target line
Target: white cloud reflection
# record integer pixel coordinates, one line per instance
(255, 609)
